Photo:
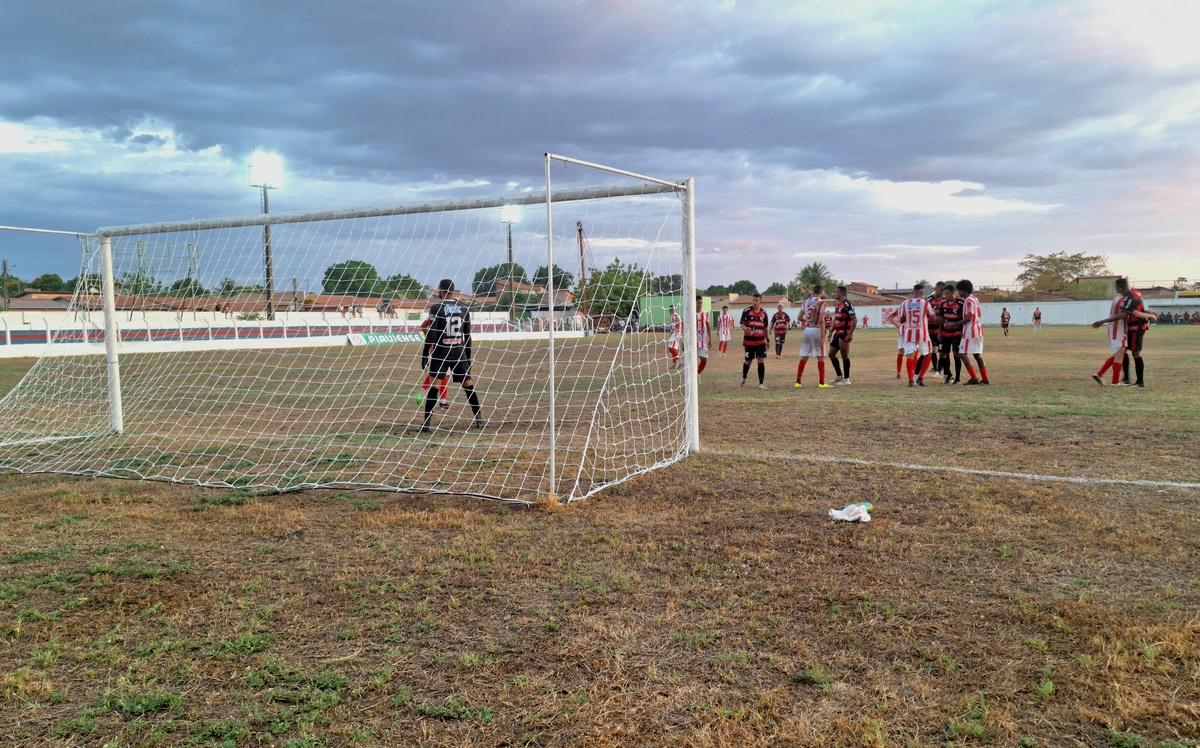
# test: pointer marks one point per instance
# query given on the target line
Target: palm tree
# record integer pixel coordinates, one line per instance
(809, 276)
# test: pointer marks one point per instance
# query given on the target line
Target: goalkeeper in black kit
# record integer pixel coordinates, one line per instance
(447, 350)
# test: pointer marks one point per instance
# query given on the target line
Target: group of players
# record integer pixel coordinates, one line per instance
(931, 332)
(1127, 323)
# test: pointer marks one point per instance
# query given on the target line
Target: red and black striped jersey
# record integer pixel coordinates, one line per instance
(952, 311)
(780, 323)
(755, 326)
(1133, 303)
(935, 306)
(842, 313)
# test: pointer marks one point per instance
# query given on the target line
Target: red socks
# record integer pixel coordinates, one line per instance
(800, 370)
(911, 366)
(899, 359)
(703, 363)
(1107, 365)
(1116, 372)
(821, 369)
(674, 355)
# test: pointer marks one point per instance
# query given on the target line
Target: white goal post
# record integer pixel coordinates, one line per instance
(179, 360)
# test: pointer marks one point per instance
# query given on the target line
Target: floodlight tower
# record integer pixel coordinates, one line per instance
(510, 214)
(266, 173)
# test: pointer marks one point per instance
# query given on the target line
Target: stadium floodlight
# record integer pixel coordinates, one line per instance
(266, 173)
(510, 214)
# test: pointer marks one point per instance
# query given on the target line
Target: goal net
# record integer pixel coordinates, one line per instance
(284, 351)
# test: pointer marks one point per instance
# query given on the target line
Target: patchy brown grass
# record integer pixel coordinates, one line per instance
(711, 603)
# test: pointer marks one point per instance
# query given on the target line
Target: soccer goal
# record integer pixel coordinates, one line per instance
(284, 351)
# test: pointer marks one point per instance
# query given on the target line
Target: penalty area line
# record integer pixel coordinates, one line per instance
(959, 470)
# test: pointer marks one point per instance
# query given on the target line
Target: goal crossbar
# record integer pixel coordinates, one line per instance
(274, 219)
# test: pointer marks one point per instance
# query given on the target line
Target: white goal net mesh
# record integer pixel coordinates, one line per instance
(320, 384)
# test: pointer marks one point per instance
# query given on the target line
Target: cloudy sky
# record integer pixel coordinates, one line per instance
(891, 141)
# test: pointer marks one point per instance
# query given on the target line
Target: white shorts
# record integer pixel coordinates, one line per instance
(971, 345)
(812, 344)
(1115, 346)
(920, 348)
(899, 341)
(673, 341)
(723, 338)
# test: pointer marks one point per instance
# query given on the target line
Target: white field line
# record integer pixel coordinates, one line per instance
(948, 469)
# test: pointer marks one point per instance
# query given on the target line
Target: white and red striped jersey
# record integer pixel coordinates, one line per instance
(1117, 328)
(676, 328)
(974, 328)
(813, 312)
(914, 317)
(725, 326)
(701, 329)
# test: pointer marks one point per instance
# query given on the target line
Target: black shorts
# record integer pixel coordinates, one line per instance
(835, 343)
(450, 361)
(780, 337)
(758, 351)
(948, 345)
(935, 340)
(1133, 341)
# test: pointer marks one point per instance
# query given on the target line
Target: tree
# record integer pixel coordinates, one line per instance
(139, 283)
(226, 286)
(562, 279)
(666, 285)
(809, 276)
(615, 290)
(1051, 272)
(403, 286)
(484, 283)
(716, 290)
(743, 288)
(49, 283)
(11, 286)
(352, 278)
(776, 289)
(187, 287)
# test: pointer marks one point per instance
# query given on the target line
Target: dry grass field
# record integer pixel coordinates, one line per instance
(712, 603)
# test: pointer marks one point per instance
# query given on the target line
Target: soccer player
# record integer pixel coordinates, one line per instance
(724, 330)
(1117, 337)
(1037, 319)
(914, 316)
(676, 329)
(703, 338)
(951, 334)
(754, 340)
(972, 332)
(1005, 318)
(448, 336)
(845, 321)
(812, 317)
(935, 327)
(780, 322)
(1137, 321)
(892, 317)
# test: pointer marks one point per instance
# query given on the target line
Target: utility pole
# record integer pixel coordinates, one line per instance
(4, 280)
(582, 272)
